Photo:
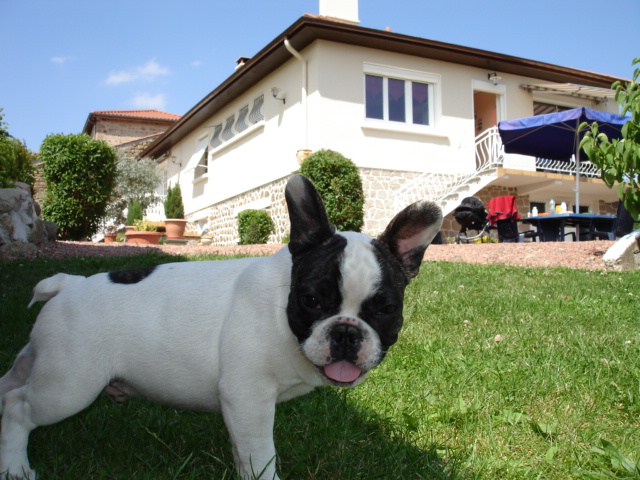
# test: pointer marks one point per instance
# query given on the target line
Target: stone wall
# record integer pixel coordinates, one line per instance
(607, 208)
(119, 131)
(39, 185)
(134, 148)
(222, 218)
(379, 187)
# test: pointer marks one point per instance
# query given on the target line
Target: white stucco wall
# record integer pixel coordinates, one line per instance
(335, 119)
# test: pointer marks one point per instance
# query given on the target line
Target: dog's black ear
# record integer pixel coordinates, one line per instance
(410, 232)
(309, 223)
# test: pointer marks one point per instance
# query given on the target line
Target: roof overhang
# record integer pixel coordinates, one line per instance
(596, 94)
(309, 29)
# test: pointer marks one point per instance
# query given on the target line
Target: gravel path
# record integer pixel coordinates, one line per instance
(582, 255)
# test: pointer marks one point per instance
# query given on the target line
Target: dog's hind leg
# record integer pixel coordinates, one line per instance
(54, 391)
(14, 436)
(19, 373)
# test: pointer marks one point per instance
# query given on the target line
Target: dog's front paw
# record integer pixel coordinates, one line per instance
(12, 474)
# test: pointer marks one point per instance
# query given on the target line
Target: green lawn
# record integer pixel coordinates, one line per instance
(500, 372)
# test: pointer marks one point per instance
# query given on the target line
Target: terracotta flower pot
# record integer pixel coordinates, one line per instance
(149, 238)
(174, 228)
(110, 237)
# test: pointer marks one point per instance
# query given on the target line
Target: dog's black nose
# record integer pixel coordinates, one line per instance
(345, 341)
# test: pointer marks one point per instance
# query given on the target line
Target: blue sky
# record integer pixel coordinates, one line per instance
(61, 59)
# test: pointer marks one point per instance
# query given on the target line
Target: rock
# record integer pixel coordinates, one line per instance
(624, 255)
(21, 229)
(15, 250)
(51, 229)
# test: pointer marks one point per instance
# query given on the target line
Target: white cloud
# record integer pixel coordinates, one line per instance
(196, 63)
(59, 60)
(147, 72)
(145, 100)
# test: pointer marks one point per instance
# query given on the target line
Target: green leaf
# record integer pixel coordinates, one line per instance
(512, 417)
(545, 430)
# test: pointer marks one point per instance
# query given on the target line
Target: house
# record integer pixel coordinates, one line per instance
(418, 117)
(128, 130)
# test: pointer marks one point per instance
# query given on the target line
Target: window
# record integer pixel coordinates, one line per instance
(203, 165)
(400, 96)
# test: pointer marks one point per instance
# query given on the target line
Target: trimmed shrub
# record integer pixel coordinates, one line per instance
(173, 206)
(339, 184)
(254, 227)
(80, 173)
(134, 212)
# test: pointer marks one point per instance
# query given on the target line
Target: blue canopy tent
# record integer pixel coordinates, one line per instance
(557, 135)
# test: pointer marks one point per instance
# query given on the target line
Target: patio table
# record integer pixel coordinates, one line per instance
(551, 228)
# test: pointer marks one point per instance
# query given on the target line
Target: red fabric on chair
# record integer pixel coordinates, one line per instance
(502, 208)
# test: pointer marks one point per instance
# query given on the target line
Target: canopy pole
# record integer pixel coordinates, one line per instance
(577, 162)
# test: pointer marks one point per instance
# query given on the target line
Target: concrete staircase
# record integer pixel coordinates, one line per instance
(449, 189)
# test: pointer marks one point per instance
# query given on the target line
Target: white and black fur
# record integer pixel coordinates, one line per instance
(234, 336)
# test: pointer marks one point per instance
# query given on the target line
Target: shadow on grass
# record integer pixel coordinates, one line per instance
(326, 435)
(318, 436)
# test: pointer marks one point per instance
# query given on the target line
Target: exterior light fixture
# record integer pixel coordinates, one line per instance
(278, 94)
(494, 77)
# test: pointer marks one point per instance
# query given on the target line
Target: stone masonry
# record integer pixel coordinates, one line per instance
(223, 217)
(378, 186)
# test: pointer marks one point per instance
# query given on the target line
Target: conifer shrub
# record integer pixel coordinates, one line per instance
(338, 182)
(254, 227)
(134, 212)
(173, 206)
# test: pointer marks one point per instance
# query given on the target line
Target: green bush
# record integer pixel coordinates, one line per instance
(15, 159)
(173, 206)
(254, 227)
(134, 212)
(80, 173)
(339, 184)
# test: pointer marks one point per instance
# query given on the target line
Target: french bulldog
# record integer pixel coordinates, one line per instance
(235, 336)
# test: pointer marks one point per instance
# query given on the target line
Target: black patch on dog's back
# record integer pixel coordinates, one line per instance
(128, 277)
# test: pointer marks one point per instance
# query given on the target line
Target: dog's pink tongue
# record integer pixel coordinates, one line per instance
(343, 372)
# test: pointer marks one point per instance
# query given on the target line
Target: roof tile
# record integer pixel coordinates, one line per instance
(148, 114)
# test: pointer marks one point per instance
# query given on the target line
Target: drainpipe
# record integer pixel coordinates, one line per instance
(303, 101)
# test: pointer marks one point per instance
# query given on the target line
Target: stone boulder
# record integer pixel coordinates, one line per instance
(21, 229)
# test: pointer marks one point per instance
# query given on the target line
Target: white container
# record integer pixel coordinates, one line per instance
(534, 211)
(563, 207)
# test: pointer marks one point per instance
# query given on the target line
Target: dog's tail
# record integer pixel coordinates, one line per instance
(49, 287)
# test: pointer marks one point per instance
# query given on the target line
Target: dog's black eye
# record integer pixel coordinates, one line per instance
(388, 309)
(311, 302)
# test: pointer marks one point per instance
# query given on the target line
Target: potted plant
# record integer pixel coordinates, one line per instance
(175, 223)
(110, 233)
(145, 232)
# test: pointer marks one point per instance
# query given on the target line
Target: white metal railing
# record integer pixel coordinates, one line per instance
(489, 154)
(437, 186)
(587, 169)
